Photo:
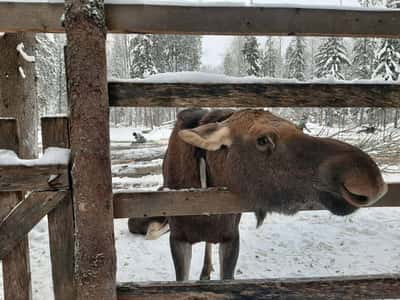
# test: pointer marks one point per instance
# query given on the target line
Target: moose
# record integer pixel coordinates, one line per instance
(268, 161)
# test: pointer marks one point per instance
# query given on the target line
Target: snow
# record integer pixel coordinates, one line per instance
(308, 244)
(125, 133)
(2, 34)
(25, 56)
(21, 72)
(51, 156)
(205, 78)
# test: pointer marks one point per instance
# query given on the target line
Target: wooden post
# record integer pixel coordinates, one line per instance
(16, 270)
(55, 133)
(90, 146)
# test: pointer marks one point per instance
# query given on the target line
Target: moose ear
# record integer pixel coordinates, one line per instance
(208, 137)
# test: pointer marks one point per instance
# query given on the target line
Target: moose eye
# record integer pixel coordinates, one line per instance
(265, 143)
(262, 141)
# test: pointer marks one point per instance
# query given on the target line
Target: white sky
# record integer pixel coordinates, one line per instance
(214, 47)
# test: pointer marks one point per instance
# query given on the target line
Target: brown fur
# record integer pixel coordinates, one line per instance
(290, 171)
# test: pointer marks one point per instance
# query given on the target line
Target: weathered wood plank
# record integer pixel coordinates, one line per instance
(55, 133)
(16, 266)
(86, 72)
(253, 95)
(45, 17)
(198, 202)
(330, 288)
(24, 216)
(37, 178)
(9, 134)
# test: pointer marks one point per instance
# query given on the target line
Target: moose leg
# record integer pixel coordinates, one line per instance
(181, 255)
(228, 255)
(207, 264)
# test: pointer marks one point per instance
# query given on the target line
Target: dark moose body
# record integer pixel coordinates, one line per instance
(268, 161)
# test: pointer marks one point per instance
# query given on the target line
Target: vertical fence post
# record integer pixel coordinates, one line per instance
(55, 133)
(95, 261)
(16, 267)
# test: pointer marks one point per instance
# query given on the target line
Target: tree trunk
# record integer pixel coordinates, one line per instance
(95, 270)
(18, 99)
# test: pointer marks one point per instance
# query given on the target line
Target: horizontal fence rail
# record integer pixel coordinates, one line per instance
(357, 287)
(202, 202)
(138, 18)
(253, 95)
(36, 178)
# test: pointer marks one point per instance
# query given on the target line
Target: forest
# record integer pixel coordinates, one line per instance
(299, 58)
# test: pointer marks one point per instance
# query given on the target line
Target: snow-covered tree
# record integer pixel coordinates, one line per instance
(331, 59)
(270, 59)
(176, 53)
(363, 59)
(142, 63)
(234, 61)
(362, 66)
(251, 54)
(393, 3)
(388, 60)
(388, 56)
(295, 59)
(229, 64)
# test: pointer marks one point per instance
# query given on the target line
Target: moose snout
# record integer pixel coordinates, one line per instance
(363, 192)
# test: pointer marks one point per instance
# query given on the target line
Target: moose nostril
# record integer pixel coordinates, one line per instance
(360, 199)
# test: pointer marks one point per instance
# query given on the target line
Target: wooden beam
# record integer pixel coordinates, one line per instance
(24, 216)
(139, 18)
(86, 72)
(9, 134)
(36, 178)
(199, 202)
(330, 288)
(253, 95)
(16, 266)
(55, 133)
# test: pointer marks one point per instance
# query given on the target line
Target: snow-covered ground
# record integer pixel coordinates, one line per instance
(308, 244)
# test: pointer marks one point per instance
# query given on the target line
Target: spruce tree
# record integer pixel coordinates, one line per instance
(388, 56)
(331, 59)
(176, 53)
(229, 64)
(364, 51)
(142, 63)
(364, 57)
(269, 60)
(251, 54)
(295, 59)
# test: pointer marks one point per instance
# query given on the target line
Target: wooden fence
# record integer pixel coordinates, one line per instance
(81, 269)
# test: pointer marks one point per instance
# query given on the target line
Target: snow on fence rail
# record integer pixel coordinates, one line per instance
(221, 20)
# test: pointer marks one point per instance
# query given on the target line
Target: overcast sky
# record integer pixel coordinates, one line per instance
(214, 47)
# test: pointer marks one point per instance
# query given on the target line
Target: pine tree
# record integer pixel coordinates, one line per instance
(270, 59)
(364, 57)
(142, 63)
(229, 64)
(251, 54)
(364, 51)
(234, 62)
(295, 59)
(331, 59)
(176, 53)
(388, 56)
